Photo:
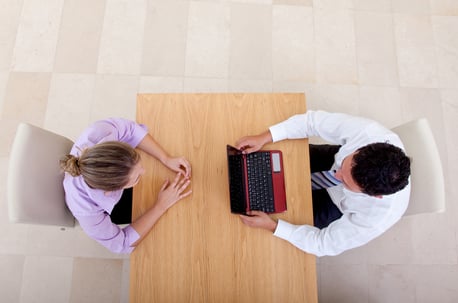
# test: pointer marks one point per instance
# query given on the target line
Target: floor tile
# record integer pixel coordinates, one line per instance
(115, 96)
(436, 283)
(8, 127)
(413, 30)
(250, 42)
(356, 256)
(293, 54)
(415, 51)
(447, 50)
(335, 47)
(335, 5)
(376, 51)
(78, 44)
(394, 246)
(125, 282)
(372, 5)
(11, 277)
(10, 14)
(391, 283)
(70, 101)
(433, 240)
(349, 283)
(207, 45)
(13, 237)
(425, 103)
(411, 6)
(253, 1)
(444, 7)
(122, 36)
(450, 108)
(87, 247)
(417, 67)
(46, 279)
(288, 86)
(205, 85)
(88, 284)
(164, 43)
(3, 82)
(294, 2)
(381, 104)
(40, 237)
(36, 40)
(333, 98)
(26, 97)
(161, 84)
(252, 86)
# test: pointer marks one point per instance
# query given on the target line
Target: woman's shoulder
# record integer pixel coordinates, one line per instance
(78, 195)
(98, 132)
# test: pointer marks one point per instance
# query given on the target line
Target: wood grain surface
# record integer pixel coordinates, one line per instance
(199, 251)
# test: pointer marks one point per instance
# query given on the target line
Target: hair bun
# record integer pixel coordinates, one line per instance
(70, 164)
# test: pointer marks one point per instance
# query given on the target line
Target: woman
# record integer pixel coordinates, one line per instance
(100, 171)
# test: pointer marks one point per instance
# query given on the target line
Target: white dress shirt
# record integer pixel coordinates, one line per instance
(364, 217)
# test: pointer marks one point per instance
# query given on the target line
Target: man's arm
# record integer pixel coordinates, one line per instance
(251, 144)
(259, 219)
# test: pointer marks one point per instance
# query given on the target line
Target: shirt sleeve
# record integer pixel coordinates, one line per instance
(339, 236)
(336, 128)
(115, 129)
(100, 228)
(94, 220)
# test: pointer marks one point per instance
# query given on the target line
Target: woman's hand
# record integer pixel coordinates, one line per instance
(259, 219)
(179, 165)
(171, 193)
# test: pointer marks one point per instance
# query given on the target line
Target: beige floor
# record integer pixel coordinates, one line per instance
(66, 63)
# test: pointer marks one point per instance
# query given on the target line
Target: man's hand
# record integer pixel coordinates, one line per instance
(251, 144)
(259, 219)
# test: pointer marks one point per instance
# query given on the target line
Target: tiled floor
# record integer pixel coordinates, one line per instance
(65, 63)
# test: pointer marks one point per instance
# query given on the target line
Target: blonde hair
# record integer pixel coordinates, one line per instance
(104, 166)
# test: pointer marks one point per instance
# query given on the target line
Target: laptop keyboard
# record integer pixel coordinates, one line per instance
(260, 189)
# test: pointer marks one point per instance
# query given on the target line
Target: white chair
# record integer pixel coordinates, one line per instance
(35, 192)
(427, 189)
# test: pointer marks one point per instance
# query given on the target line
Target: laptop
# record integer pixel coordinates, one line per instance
(256, 181)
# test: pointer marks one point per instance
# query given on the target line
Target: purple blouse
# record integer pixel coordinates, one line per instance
(91, 207)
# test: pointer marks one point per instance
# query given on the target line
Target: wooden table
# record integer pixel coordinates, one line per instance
(199, 251)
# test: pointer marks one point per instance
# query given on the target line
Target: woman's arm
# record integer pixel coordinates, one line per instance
(178, 164)
(169, 194)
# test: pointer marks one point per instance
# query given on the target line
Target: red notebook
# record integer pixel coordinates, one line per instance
(256, 181)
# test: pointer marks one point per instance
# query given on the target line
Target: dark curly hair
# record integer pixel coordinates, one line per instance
(380, 169)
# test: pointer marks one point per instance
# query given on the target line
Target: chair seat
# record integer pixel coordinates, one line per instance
(427, 180)
(35, 192)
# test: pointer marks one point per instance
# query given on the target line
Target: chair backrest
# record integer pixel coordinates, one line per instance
(35, 192)
(427, 193)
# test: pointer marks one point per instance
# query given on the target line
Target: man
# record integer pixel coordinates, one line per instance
(369, 163)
